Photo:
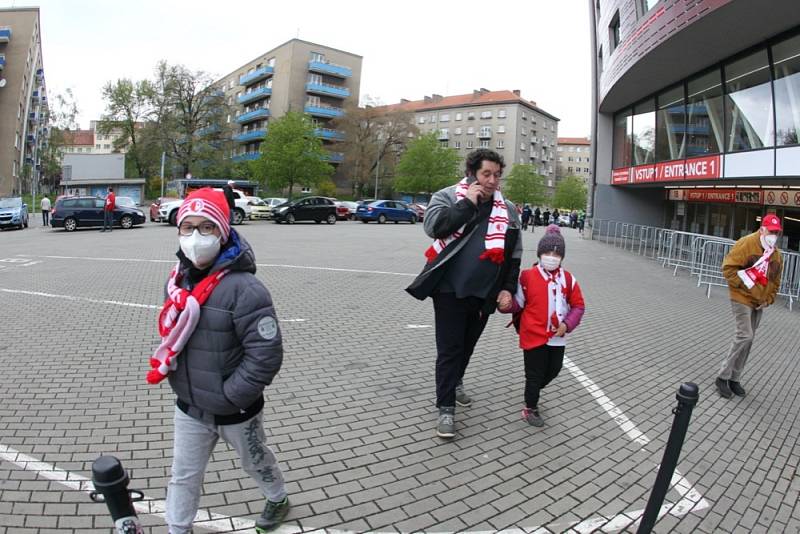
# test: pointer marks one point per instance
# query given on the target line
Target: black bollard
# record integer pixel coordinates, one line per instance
(111, 484)
(687, 397)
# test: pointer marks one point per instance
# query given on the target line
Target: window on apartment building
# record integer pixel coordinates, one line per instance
(569, 158)
(500, 143)
(457, 131)
(444, 143)
(457, 144)
(560, 149)
(106, 146)
(569, 169)
(16, 140)
(486, 131)
(433, 118)
(470, 116)
(470, 131)
(444, 117)
(613, 32)
(421, 120)
(458, 116)
(444, 133)
(524, 116)
(469, 145)
(560, 159)
(522, 146)
(646, 5)
(501, 114)
(586, 169)
(501, 129)
(318, 57)
(98, 145)
(271, 62)
(315, 78)
(523, 131)
(484, 143)
(486, 114)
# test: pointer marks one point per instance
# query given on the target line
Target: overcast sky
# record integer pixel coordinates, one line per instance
(410, 49)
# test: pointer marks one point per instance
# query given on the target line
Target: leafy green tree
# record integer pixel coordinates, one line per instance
(292, 155)
(426, 166)
(570, 193)
(62, 114)
(524, 186)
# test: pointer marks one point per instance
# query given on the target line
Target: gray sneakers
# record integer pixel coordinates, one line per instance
(532, 417)
(446, 427)
(272, 516)
(462, 399)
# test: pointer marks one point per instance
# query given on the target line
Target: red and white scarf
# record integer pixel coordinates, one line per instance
(557, 307)
(177, 321)
(495, 239)
(757, 274)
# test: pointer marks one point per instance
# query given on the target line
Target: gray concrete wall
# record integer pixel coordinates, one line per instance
(638, 206)
(93, 166)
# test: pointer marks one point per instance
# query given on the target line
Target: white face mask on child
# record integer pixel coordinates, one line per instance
(550, 263)
(200, 249)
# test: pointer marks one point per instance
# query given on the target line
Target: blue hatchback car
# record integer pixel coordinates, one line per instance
(385, 210)
(13, 213)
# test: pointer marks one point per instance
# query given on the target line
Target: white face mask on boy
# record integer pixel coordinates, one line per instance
(200, 249)
(550, 263)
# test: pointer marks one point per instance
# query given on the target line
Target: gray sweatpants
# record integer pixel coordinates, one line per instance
(193, 443)
(747, 320)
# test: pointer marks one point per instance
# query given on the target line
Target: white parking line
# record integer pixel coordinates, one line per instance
(276, 265)
(80, 299)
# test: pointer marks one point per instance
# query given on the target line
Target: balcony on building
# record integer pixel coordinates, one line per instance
(31, 138)
(32, 116)
(250, 116)
(443, 136)
(327, 133)
(247, 156)
(2, 61)
(484, 134)
(35, 95)
(5, 34)
(256, 94)
(327, 89)
(323, 110)
(208, 130)
(261, 73)
(334, 157)
(248, 137)
(332, 69)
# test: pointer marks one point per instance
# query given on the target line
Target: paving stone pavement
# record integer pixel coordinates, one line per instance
(351, 414)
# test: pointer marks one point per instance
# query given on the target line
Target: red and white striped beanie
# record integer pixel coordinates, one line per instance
(212, 205)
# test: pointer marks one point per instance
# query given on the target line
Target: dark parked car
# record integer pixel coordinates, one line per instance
(71, 213)
(13, 213)
(315, 209)
(386, 210)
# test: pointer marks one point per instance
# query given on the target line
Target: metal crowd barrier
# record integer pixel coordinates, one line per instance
(699, 254)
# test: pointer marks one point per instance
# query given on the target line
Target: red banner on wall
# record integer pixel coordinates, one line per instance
(670, 171)
(703, 168)
(711, 195)
(621, 176)
(643, 174)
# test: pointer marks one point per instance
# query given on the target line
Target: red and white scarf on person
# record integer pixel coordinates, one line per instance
(757, 274)
(557, 307)
(495, 239)
(177, 321)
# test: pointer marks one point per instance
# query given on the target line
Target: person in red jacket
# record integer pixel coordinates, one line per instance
(549, 305)
(108, 210)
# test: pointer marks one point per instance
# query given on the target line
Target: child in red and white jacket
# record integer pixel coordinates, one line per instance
(547, 306)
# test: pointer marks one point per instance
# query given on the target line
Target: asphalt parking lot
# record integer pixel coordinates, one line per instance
(351, 414)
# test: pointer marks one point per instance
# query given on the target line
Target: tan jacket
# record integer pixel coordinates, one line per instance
(744, 254)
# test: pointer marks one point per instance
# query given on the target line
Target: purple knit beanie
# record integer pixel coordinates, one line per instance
(551, 241)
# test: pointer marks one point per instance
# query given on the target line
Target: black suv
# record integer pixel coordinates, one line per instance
(71, 213)
(315, 209)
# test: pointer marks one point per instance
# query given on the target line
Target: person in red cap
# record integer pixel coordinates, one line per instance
(753, 270)
(220, 347)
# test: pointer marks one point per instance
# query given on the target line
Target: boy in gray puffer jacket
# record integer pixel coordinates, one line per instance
(221, 346)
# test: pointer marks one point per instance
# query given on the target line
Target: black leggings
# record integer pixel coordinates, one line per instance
(542, 365)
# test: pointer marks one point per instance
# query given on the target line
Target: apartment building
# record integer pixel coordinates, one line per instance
(23, 100)
(92, 141)
(295, 76)
(501, 120)
(574, 158)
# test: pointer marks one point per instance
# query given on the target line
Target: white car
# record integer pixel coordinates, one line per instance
(273, 202)
(169, 211)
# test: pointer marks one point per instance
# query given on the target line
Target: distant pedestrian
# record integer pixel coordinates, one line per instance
(45, 211)
(537, 217)
(526, 217)
(220, 347)
(108, 210)
(230, 197)
(753, 270)
(548, 304)
(472, 265)
(581, 221)
(556, 215)
(546, 217)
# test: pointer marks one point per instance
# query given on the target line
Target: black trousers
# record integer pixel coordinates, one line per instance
(459, 325)
(542, 365)
(45, 217)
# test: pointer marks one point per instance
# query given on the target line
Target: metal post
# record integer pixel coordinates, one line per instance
(377, 170)
(111, 484)
(687, 397)
(163, 156)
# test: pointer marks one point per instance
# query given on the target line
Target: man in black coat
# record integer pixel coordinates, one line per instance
(230, 197)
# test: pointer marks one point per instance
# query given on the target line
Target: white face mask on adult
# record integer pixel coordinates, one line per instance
(200, 249)
(769, 240)
(550, 263)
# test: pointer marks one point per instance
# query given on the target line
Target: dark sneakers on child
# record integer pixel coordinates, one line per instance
(532, 417)
(446, 427)
(272, 516)
(736, 388)
(462, 399)
(724, 388)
